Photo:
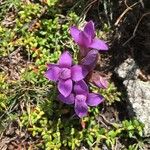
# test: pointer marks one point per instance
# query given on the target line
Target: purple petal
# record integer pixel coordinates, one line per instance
(101, 82)
(90, 60)
(75, 33)
(65, 87)
(65, 73)
(65, 59)
(94, 99)
(52, 65)
(67, 100)
(52, 73)
(83, 52)
(81, 107)
(98, 44)
(84, 39)
(78, 73)
(81, 87)
(89, 29)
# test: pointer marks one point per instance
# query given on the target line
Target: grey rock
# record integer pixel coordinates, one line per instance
(128, 70)
(138, 92)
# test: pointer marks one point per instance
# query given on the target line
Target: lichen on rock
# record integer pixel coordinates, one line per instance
(138, 92)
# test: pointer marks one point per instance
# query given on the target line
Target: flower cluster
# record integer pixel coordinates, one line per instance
(71, 77)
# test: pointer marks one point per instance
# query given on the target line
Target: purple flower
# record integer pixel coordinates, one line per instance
(65, 73)
(86, 39)
(99, 80)
(81, 98)
(90, 60)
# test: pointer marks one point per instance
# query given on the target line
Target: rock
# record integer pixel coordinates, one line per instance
(138, 92)
(139, 98)
(128, 70)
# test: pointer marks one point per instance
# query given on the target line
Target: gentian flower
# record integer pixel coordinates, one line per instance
(99, 80)
(86, 39)
(65, 73)
(81, 98)
(90, 60)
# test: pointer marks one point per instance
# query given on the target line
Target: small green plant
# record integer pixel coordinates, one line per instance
(49, 131)
(110, 94)
(41, 31)
(3, 95)
(51, 2)
(59, 133)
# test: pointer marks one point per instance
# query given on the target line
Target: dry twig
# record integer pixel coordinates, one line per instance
(106, 122)
(136, 27)
(125, 11)
(86, 9)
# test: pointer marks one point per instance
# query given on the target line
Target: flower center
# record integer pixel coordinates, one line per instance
(65, 73)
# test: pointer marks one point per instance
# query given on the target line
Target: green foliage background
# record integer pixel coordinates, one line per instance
(40, 32)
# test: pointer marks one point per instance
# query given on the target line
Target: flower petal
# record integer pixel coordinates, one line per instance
(78, 73)
(75, 33)
(89, 61)
(67, 100)
(94, 99)
(101, 82)
(81, 107)
(98, 44)
(81, 87)
(65, 59)
(65, 87)
(84, 40)
(65, 73)
(52, 65)
(52, 73)
(89, 29)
